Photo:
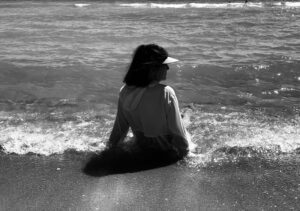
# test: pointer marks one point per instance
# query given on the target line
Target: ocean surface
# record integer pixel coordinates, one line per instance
(62, 65)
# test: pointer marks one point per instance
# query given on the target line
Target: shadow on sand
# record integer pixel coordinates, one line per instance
(119, 160)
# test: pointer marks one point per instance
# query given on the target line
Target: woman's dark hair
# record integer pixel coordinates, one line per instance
(145, 62)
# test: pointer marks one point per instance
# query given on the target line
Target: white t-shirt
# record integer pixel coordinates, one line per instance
(153, 115)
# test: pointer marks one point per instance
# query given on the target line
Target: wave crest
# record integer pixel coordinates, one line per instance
(212, 5)
(224, 135)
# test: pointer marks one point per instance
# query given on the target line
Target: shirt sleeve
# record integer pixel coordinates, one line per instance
(120, 128)
(175, 124)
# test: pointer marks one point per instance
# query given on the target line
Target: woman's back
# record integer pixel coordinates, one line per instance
(145, 109)
(152, 110)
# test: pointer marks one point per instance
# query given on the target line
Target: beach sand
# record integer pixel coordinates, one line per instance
(32, 182)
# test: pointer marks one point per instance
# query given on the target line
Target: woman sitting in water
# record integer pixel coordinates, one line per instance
(149, 108)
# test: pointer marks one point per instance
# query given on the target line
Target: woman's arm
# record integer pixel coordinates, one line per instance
(119, 130)
(175, 123)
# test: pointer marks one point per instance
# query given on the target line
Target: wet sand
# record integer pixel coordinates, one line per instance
(58, 183)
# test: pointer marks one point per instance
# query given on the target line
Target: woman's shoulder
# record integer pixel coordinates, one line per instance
(167, 89)
(123, 88)
(164, 90)
(170, 90)
(126, 88)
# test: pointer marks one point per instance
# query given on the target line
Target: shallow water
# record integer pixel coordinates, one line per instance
(61, 67)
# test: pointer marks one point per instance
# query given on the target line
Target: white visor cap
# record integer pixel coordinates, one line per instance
(170, 60)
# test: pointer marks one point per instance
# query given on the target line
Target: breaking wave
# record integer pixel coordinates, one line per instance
(224, 135)
(212, 5)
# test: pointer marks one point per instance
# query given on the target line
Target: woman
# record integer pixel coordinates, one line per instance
(149, 108)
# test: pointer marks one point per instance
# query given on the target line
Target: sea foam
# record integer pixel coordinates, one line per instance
(210, 5)
(89, 132)
(292, 4)
(155, 5)
(81, 5)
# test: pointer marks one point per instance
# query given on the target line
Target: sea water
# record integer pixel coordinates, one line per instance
(62, 65)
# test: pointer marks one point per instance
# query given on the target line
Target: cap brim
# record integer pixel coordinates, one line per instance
(170, 60)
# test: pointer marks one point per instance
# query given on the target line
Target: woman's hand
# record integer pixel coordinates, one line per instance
(192, 146)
